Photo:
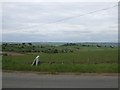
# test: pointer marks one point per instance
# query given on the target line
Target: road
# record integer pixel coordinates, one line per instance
(30, 80)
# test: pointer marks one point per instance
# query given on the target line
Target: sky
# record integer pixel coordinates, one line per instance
(60, 22)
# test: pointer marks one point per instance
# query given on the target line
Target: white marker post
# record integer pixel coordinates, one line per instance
(36, 61)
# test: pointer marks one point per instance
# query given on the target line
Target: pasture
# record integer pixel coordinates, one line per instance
(61, 58)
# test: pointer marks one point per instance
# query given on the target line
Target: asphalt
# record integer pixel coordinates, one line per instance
(31, 80)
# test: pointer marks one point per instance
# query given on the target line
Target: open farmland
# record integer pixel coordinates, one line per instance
(70, 57)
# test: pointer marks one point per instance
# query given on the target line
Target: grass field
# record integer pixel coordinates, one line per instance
(83, 60)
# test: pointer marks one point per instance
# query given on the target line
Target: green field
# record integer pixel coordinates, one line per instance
(76, 58)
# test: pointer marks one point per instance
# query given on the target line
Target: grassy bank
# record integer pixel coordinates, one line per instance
(80, 68)
(99, 61)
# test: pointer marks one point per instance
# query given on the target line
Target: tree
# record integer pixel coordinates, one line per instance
(30, 44)
(55, 51)
(98, 46)
(23, 43)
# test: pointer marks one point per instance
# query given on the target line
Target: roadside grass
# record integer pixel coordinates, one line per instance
(84, 61)
(80, 68)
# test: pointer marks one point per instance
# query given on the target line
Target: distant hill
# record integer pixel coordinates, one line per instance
(62, 43)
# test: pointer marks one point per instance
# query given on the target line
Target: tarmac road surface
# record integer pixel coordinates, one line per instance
(30, 80)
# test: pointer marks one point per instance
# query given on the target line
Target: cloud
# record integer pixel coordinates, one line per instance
(39, 22)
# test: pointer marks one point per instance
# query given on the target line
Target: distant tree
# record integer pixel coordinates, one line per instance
(42, 46)
(69, 44)
(35, 51)
(5, 44)
(22, 47)
(30, 44)
(3, 48)
(33, 47)
(83, 45)
(5, 54)
(23, 43)
(98, 46)
(55, 51)
(23, 50)
(38, 50)
(111, 46)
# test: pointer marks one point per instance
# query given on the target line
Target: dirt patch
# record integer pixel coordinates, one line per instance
(67, 73)
(11, 53)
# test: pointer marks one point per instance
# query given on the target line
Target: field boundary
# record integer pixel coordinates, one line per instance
(59, 73)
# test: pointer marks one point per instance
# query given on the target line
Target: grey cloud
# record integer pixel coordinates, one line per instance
(37, 21)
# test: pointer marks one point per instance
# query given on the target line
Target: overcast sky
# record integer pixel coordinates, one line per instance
(59, 22)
